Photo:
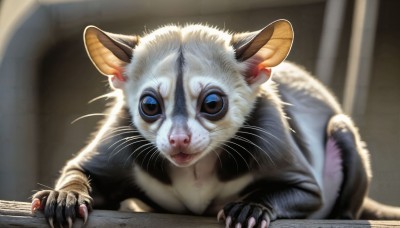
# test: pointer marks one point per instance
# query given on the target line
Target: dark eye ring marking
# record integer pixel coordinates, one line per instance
(150, 106)
(212, 104)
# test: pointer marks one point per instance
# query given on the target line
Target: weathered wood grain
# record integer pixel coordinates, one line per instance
(18, 214)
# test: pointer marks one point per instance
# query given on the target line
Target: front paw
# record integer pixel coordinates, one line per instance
(62, 207)
(242, 214)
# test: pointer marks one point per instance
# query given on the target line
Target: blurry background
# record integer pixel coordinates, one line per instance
(46, 79)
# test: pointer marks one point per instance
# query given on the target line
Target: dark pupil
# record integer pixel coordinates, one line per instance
(150, 106)
(212, 104)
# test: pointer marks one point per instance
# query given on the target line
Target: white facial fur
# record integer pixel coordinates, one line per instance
(208, 61)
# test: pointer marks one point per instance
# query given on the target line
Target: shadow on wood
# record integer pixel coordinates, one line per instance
(19, 214)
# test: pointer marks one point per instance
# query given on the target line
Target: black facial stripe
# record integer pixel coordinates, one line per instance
(179, 122)
(180, 101)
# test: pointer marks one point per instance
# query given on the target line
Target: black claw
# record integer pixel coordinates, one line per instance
(51, 222)
(70, 222)
(243, 214)
(50, 207)
(221, 215)
(60, 210)
(256, 213)
(228, 207)
(264, 219)
(70, 207)
(59, 214)
(233, 211)
(43, 203)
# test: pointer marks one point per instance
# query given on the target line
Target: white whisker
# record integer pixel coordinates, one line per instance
(222, 148)
(119, 133)
(48, 187)
(219, 158)
(158, 156)
(126, 139)
(251, 143)
(125, 128)
(251, 154)
(147, 145)
(130, 144)
(261, 130)
(89, 115)
(237, 152)
(107, 95)
(154, 152)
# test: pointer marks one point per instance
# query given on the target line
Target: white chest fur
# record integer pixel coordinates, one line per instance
(193, 188)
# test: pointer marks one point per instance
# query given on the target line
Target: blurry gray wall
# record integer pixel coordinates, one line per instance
(46, 79)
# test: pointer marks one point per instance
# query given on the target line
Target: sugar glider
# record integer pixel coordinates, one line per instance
(213, 123)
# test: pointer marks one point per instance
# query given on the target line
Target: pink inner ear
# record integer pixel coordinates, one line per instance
(118, 74)
(117, 80)
(263, 69)
(256, 72)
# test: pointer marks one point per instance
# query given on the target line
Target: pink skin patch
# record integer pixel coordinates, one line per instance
(260, 68)
(228, 221)
(118, 75)
(333, 173)
(333, 161)
(264, 224)
(83, 212)
(36, 205)
(251, 222)
(117, 79)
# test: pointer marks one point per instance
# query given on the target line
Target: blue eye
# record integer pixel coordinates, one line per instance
(212, 104)
(149, 108)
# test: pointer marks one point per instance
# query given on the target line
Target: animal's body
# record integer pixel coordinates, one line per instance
(199, 128)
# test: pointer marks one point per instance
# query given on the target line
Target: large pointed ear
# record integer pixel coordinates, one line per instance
(263, 49)
(109, 52)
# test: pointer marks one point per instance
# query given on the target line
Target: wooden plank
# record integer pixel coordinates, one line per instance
(19, 214)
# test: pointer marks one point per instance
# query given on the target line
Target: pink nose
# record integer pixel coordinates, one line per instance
(179, 140)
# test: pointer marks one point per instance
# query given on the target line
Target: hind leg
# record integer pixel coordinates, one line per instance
(355, 166)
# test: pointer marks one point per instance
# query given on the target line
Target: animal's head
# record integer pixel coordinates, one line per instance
(189, 89)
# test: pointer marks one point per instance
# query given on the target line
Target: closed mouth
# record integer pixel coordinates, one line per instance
(182, 158)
